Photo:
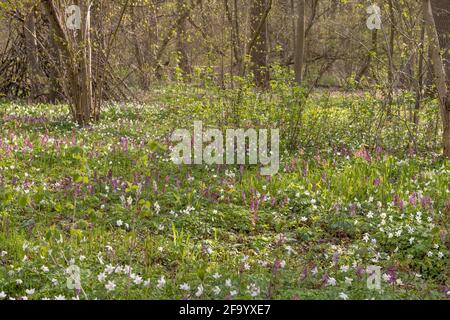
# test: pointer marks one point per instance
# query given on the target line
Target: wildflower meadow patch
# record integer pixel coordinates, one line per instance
(102, 212)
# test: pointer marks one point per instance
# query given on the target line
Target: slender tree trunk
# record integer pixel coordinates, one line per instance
(76, 59)
(419, 90)
(86, 61)
(237, 36)
(99, 69)
(183, 62)
(391, 60)
(293, 25)
(142, 70)
(370, 56)
(55, 87)
(300, 42)
(233, 20)
(258, 43)
(32, 53)
(438, 66)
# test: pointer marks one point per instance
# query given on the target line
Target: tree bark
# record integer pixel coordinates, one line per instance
(183, 61)
(420, 73)
(32, 53)
(258, 44)
(391, 60)
(142, 69)
(87, 96)
(441, 15)
(373, 53)
(438, 65)
(300, 42)
(76, 60)
(233, 21)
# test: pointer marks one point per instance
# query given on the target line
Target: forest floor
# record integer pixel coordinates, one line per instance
(101, 212)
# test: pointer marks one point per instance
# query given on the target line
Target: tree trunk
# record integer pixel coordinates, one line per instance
(258, 44)
(142, 69)
(372, 55)
(233, 20)
(87, 96)
(441, 15)
(419, 89)
(391, 60)
(76, 60)
(438, 65)
(183, 61)
(32, 54)
(300, 42)
(56, 87)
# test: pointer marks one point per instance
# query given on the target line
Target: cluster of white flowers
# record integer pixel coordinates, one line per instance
(254, 290)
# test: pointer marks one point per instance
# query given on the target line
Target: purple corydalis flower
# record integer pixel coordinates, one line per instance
(413, 199)
(273, 202)
(44, 138)
(77, 190)
(377, 182)
(425, 201)
(401, 205)
(27, 143)
(360, 270)
(124, 144)
(254, 207)
(378, 152)
(399, 202)
(114, 184)
(293, 165)
(363, 153)
(325, 278)
(305, 169)
(137, 178)
(254, 204)
(391, 271)
(26, 185)
(110, 174)
(277, 265)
